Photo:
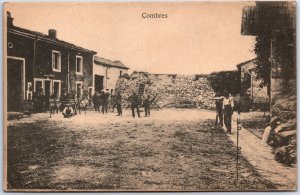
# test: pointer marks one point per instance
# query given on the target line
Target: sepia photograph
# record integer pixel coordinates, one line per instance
(149, 96)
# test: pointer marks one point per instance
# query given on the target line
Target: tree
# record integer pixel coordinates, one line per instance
(275, 42)
(225, 81)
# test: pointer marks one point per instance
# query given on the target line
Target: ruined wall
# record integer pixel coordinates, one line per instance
(171, 90)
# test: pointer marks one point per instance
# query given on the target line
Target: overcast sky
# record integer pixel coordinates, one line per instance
(195, 38)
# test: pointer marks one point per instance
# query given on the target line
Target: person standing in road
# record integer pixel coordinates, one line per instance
(96, 102)
(135, 104)
(118, 100)
(228, 105)
(146, 104)
(219, 110)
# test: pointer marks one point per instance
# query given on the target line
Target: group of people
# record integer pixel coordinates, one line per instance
(101, 100)
(104, 99)
(224, 107)
(136, 102)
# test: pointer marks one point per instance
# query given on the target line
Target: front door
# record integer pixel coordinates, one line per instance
(98, 83)
(15, 84)
(47, 93)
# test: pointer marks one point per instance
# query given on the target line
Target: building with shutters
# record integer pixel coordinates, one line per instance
(39, 61)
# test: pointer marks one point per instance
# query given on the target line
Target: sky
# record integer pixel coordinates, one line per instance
(195, 38)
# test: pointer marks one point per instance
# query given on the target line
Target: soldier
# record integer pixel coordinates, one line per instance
(104, 99)
(228, 105)
(118, 100)
(113, 102)
(219, 110)
(146, 104)
(135, 104)
(96, 101)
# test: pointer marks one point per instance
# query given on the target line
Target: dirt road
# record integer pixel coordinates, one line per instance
(172, 150)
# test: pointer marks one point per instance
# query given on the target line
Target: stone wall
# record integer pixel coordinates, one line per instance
(179, 91)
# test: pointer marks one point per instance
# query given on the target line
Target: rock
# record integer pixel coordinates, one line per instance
(291, 124)
(289, 105)
(285, 116)
(287, 134)
(285, 155)
(275, 110)
(274, 122)
(267, 134)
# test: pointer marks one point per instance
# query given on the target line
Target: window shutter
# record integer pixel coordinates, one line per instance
(53, 60)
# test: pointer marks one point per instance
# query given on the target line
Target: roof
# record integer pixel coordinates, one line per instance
(244, 63)
(41, 36)
(105, 62)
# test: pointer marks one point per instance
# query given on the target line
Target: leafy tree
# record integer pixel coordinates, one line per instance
(275, 26)
(225, 81)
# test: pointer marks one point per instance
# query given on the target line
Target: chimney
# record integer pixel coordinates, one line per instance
(52, 33)
(9, 20)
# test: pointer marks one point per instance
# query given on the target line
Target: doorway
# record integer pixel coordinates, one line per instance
(15, 84)
(98, 83)
(47, 93)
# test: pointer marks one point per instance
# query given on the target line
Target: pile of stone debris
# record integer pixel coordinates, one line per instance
(170, 90)
(281, 134)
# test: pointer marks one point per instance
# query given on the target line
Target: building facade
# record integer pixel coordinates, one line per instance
(106, 73)
(36, 61)
(253, 94)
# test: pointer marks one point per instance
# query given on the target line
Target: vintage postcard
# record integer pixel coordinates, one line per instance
(150, 96)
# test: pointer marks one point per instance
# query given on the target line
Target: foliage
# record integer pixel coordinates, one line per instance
(276, 33)
(225, 81)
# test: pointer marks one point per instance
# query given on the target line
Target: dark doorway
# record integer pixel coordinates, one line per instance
(98, 83)
(15, 85)
(47, 93)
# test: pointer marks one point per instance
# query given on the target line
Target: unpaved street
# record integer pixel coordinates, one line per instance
(174, 149)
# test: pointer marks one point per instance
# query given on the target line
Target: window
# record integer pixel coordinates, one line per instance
(38, 85)
(56, 61)
(79, 65)
(56, 88)
(121, 74)
(79, 86)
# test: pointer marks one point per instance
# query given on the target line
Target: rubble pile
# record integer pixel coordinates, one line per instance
(281, 134)
(171, 90)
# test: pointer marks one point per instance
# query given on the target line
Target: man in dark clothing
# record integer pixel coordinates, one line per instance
(113, 102)
(219, 112)
(104, 101)
(38, 99)
(96, 102)
(146, 103)
(118, 99)
(135, 104)
(228, 106)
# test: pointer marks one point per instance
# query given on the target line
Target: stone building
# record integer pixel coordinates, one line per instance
(39, 61)
(253, 94)
(106, 73)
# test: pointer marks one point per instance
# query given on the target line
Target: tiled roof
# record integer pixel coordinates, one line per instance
(243, 63)
(35, 34)
(105, 62)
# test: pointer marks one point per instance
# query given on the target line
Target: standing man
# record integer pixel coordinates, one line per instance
(96, 102)
(118, 100)
(135, 104)
(219, 110)
(228, 105)
(146, 103)
(104, 101)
